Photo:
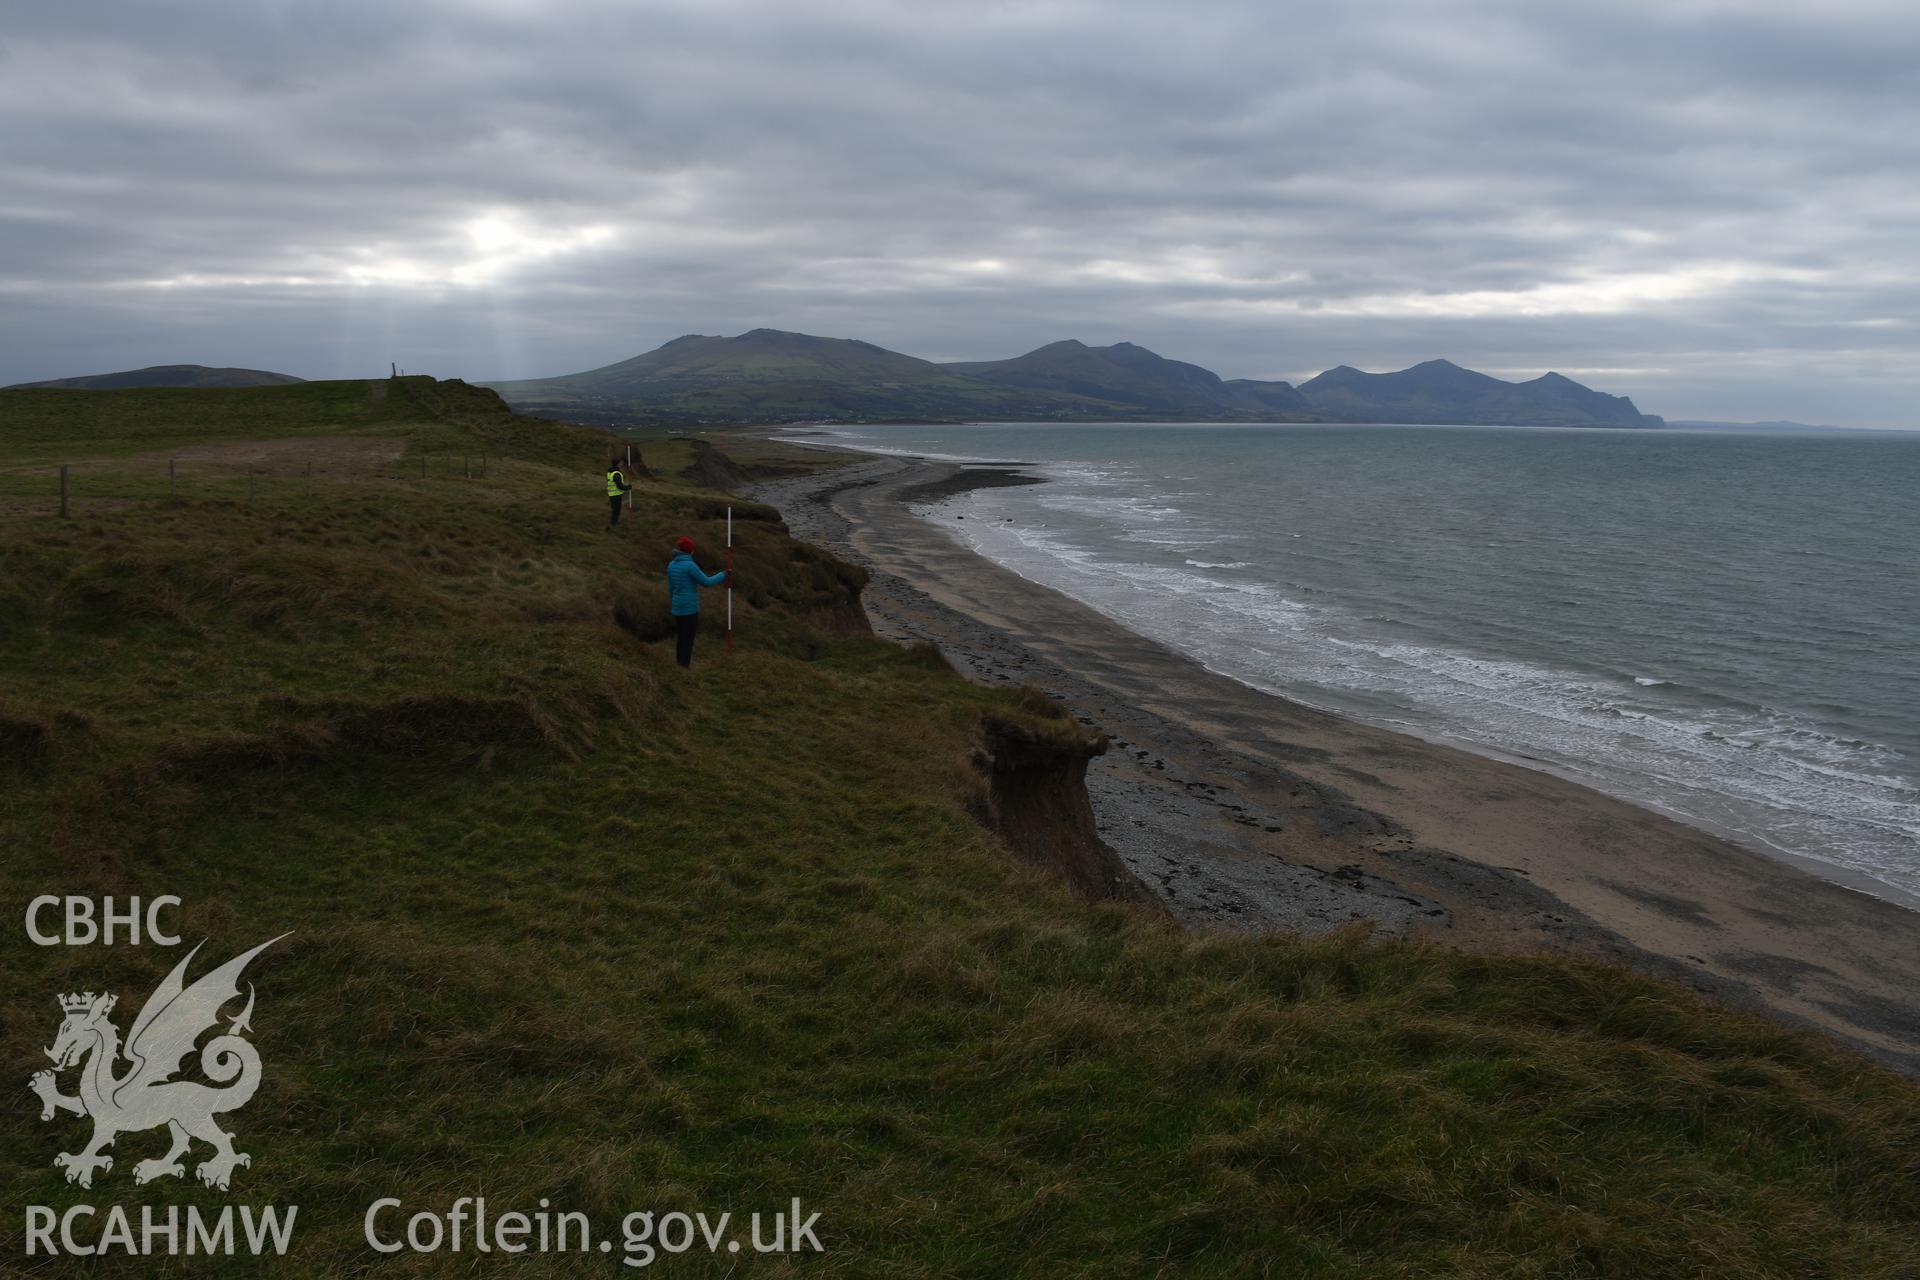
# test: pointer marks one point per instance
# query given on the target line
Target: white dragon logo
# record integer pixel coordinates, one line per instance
(147, 1096)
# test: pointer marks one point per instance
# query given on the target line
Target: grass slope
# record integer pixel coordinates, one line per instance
(572, 923)
(43, 422)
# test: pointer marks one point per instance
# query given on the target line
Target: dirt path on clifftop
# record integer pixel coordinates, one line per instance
(1247, 810)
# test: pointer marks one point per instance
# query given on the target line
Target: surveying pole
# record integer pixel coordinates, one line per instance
(729, 579)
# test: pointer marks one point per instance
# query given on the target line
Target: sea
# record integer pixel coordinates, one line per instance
(1719, 625)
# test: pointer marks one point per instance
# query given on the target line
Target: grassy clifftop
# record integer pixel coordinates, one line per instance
(570, 923)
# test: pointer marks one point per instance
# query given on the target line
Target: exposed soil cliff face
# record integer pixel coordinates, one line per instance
(821, 588)
(841, 614)
(1037, 801)
(712, 469)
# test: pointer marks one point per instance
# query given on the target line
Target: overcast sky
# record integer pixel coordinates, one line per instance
(1711, 207)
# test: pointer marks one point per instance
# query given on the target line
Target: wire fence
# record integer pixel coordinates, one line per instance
(67, 489)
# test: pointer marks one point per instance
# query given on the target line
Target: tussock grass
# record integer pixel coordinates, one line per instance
(573, 924)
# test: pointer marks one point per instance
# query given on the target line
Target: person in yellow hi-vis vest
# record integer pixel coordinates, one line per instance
(617, 487)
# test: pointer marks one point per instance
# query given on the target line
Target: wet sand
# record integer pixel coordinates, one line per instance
(1245, 810)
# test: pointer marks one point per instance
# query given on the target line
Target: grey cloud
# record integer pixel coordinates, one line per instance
(1706, 203)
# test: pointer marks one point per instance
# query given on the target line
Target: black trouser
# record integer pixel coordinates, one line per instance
(684, 625)
(615, 502)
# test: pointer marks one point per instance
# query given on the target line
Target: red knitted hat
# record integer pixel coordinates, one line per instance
(684, 544)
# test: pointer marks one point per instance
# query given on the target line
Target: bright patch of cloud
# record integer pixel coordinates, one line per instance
(1685, 185)
(496, 247)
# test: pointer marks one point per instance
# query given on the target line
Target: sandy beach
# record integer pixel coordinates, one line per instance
(1245, 810)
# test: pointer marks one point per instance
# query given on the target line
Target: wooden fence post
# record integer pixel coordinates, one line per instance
(63, 491)
(173, 486)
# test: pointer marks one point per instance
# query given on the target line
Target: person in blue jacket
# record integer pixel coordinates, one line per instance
(684, 580)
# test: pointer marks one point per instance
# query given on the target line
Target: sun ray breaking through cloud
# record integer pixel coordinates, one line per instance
(1657, 190)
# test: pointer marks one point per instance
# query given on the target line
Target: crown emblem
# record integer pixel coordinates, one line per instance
(144, 1094)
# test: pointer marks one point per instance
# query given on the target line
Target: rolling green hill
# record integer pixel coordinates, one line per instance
(570, 924)
(771, 376)
(169, 375)
(761, 376)
(1139, 381)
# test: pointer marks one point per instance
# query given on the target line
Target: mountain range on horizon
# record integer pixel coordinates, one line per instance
(772, 376)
